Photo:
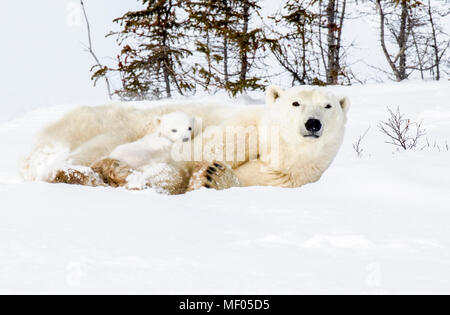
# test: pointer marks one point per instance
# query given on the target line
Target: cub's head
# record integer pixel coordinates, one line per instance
(177, 126)
(307, 115)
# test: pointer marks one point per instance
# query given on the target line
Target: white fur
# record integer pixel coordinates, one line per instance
(87, 134)
(301, 160)
(172, 128)
(92, 133)
(45, 161)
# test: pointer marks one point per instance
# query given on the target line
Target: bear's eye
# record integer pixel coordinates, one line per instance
(174, 130)
(190, 128)
(328, 106)
(296, 104)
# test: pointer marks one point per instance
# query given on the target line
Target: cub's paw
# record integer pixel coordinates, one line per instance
(214, 175)
(113, 172)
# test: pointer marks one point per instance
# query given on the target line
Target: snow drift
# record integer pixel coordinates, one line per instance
(375, 224)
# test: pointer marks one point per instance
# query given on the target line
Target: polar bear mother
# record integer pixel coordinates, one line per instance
(311, 126)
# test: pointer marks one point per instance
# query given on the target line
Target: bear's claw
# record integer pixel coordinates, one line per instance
(213, 176)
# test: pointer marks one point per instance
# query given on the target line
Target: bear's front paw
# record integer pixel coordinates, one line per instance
(214, 175)
(113, 172)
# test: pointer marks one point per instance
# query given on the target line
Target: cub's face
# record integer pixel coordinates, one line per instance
(307, 115)
(177, 127)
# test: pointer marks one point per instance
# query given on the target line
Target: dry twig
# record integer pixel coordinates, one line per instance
(401, 131)
(91, 50)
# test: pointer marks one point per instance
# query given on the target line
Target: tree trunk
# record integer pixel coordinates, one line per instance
(167, 79)
(166, 69)
(402, 41)
(208, 44)
(166, 49)
(435, 43)
(383, 40)
(244, 44)
(225, 43)
(333, 67)
(304, 71)
(225, 60)
(339, 38)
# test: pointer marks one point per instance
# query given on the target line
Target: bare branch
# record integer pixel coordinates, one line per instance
(357, 146)
(91, 50)
(383, 41)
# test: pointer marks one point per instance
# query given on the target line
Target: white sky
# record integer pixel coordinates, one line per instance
(43, 62)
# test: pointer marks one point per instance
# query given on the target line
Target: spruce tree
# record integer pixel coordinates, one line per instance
(153, 42)
(231, 47)
(293, 45)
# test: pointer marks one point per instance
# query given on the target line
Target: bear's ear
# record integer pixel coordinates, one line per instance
(345, 103)
(273, 93)
(157, 121)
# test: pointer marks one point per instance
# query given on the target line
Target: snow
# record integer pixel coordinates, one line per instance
(372, 225)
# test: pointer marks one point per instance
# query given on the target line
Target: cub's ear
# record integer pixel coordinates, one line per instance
(157, 121)
(345, 103)
(273, 93)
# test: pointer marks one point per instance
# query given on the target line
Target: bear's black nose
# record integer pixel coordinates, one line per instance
(313, 125)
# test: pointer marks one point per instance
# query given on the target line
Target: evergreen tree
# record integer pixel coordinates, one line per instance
(293, 46)
(153, 42)
(227, 41)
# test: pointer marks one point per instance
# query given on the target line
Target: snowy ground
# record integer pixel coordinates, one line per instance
(376, 224)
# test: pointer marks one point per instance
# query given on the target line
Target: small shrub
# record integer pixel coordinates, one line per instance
(357, 146)
(401, 131)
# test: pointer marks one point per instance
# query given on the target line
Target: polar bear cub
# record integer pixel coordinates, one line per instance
(173, 128)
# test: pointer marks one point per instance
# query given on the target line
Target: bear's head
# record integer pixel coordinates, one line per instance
(307, 115)
(176, 126)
